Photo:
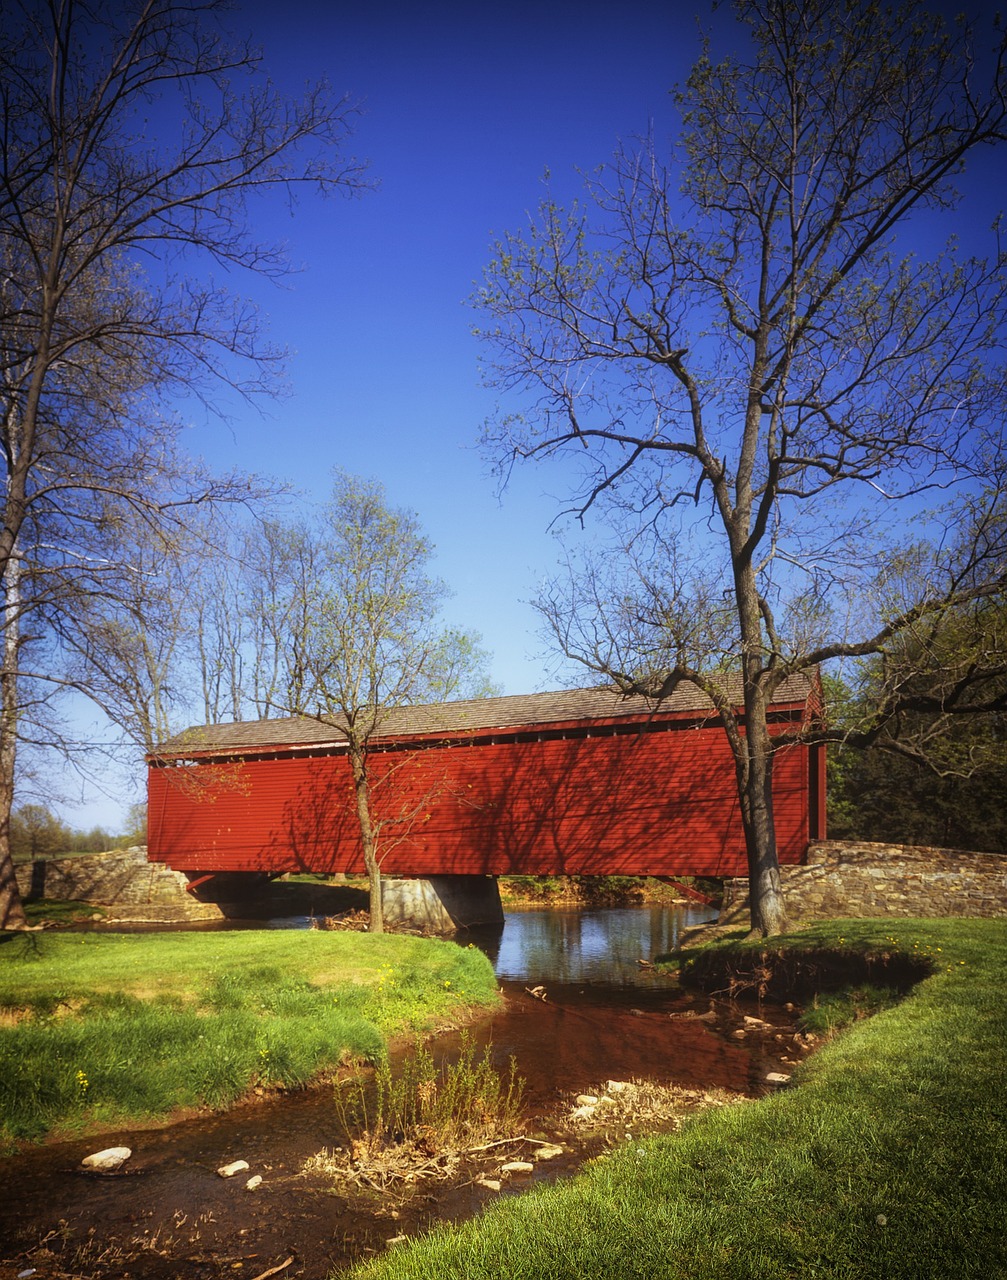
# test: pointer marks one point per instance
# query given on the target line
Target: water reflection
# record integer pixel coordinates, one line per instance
(596, 946)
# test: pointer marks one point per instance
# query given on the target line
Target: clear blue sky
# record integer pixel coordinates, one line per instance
(463, 108)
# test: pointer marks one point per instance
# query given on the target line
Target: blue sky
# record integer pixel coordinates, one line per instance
(463, 108)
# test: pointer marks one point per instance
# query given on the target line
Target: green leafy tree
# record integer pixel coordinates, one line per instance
(136, 823)
(760, 388)
(36, 832)
(921, 755)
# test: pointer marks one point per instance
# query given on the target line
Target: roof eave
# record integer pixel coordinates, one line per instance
(455, 735)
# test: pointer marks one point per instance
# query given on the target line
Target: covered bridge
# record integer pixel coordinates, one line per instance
(583, 781)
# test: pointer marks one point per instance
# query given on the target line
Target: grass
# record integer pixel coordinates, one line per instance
(836, 1010)
(417, 1119)
(451, 1105)
(888, 1162)
(100, 1029)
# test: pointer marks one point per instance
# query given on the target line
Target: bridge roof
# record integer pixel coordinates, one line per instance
(523, 711)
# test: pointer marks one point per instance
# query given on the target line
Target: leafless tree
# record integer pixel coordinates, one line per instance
(764, 391)
(132, 138)
(371, 643)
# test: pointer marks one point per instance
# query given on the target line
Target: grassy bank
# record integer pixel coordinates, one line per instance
(97, 1029)
(889, 1160)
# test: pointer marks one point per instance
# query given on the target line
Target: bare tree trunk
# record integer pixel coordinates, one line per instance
(362, 793)
(755, 773)
(12, 914)
(765, 890)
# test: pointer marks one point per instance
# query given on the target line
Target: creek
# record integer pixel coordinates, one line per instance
(579, 1010)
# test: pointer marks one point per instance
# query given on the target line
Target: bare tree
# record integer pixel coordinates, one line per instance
(372, 643)
(283, 572)
(128, 153)
(763, 392)
(126, 637)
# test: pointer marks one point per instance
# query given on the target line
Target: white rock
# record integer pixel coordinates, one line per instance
(108, 1160)
(617, 1086)
(517, 1166)
(547, 1153)
(491, 1184)
(582, 1113)
(757, 1022)
(254, 1181)
(229, 1170)
(586, 1100)
(777, 1077)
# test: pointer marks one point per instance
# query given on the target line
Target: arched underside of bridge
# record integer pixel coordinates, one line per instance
(625, 793)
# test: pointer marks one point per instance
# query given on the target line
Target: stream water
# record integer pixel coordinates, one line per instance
(579, 1010)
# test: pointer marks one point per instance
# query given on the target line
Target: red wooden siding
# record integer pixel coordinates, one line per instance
(659, 799)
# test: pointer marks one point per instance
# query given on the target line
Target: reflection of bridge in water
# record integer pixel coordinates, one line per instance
(582, 782)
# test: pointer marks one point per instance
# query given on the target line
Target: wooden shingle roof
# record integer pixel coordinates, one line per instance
(516, 711)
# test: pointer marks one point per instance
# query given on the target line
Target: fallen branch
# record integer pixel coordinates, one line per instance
(273, 1270)
(501, 1142)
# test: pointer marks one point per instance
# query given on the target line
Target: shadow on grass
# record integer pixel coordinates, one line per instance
(784, 971)
(29, 940)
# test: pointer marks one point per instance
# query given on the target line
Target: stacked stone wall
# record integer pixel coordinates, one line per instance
(860, 878)
(122, 882)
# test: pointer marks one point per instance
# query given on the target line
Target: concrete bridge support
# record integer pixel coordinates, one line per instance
(442, 904)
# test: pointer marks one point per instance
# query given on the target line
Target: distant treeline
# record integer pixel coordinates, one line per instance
(35, 832)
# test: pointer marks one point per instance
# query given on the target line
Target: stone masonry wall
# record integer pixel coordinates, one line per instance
(859, 878)
(122, 882)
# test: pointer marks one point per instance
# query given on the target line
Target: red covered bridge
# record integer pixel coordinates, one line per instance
(584, 782)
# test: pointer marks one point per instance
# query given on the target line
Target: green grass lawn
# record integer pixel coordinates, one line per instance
(101, 1028)
(888, 1161)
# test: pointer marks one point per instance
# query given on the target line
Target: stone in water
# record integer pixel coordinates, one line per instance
(107, 1161)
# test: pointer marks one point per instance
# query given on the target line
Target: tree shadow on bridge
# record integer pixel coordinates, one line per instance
(621, 804)
(651, 798)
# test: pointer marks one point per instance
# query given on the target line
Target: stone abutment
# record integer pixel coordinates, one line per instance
(861, 878)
